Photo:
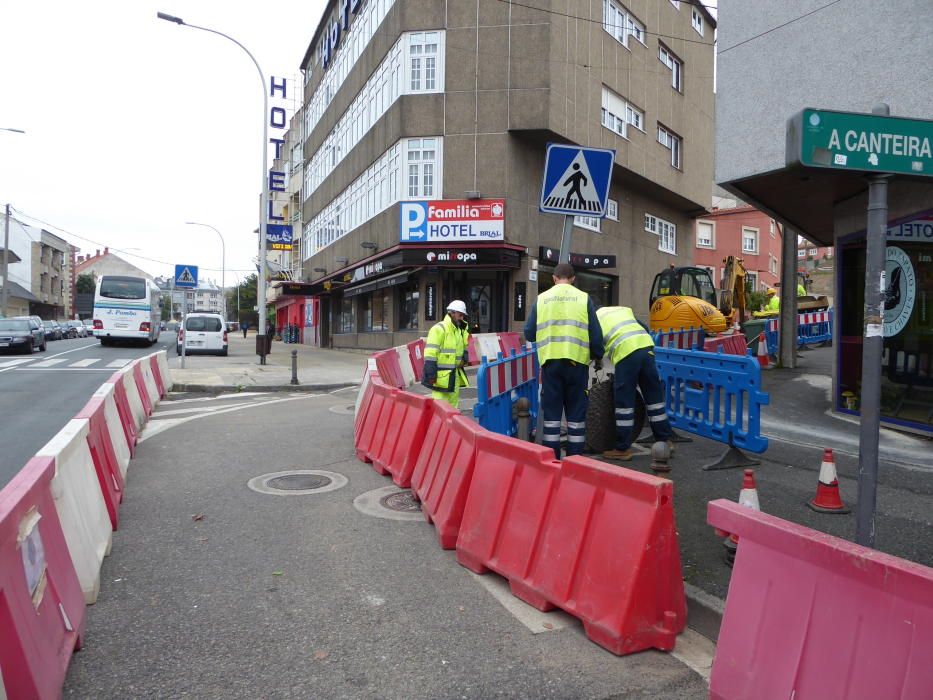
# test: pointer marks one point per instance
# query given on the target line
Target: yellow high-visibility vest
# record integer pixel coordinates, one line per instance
(622, 334)
(563, 324)
(446, 344)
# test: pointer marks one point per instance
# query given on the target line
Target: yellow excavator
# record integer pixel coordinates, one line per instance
(685, 297)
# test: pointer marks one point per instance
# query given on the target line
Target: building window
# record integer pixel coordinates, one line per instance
(421, 159)
(772, 264)
(751, 280)
(667, 57)
(408, 298)
(612, 209)
(749, 240)
(374, 311)
(801, 252)
(697, 21)
(617, 113)
(345, 317)
(666, 232)
(705, 230)
(423, 55)
(771, 227)
(671, 142)
(621, 24)
(588, 222)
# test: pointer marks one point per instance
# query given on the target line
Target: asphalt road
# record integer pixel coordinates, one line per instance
(41, 392)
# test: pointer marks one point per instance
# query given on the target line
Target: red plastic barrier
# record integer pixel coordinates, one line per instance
(363, 401)
(416, 354)
(595, 540)
(434, 439)
(511, 341)
(397, 446)
(157, 374)
(42, 610)
(389, 370)
(483, 343)
(141, 386)
(371, 422)
(731, 344)
(126, 413)
(813, 616)
(105, 459)
(448, 472)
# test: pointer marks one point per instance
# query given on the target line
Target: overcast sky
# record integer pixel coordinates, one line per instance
(135, 125)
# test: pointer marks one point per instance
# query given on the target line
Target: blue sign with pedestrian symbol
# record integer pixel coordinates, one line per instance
(576, 180)
(186, 276)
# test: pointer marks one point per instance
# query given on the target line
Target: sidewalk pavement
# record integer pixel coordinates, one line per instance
(318, 369)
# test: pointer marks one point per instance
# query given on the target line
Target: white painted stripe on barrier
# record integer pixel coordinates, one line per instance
(164, 370)
(370, 367)
(149, 380)
(2, 689)
(404, 361)
(121, 447)
(132, 396)
(80, 504)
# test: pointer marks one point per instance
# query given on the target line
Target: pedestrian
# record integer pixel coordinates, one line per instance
(774, 301)
(564, 324)
(245, 328)
(630, 348)
(445, 355)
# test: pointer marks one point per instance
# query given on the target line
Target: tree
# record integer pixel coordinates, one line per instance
(85, 284)
(248, 294)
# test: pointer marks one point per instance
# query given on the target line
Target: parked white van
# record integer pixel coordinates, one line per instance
(203, 333)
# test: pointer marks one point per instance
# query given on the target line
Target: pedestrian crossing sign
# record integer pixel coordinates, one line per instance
(576, 180)
(186, 276)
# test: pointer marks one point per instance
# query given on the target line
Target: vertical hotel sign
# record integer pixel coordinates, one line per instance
(278, 233)
(330, 42)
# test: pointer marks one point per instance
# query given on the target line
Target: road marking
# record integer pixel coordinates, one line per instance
(13, 363)
(158, 415)
(47, 357)
(696, 651)
(84, 363)
(48, 363)
(120, 362)
(219, 397)
(61, 369)
(535, 620)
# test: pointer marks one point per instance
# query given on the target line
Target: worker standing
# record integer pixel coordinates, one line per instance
(445, 355)
(563, 323)
(801, 290)
(630, 348)
(774, 301)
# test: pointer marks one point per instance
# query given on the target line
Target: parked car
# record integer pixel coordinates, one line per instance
(68, 331)
(21, 334)
(52, 330)
(79, 328)
(37, 320)
(203, 333)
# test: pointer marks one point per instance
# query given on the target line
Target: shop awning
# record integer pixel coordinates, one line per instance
(373, 285)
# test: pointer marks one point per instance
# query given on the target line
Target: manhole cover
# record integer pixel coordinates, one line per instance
(347, 410)
(297, 482)
(401, 502)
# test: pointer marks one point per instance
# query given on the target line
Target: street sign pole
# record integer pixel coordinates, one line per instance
(184, 317)
(564, 256)
(872, 347)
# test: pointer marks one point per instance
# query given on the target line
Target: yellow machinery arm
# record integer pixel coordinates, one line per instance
(732, 299)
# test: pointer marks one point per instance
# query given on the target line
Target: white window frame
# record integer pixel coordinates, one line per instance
(772, 264)
(674, 65)
(664, 230)
(617, 113)
(673, 143)
(612, 209)
(590, 223)
(801, 252)
(753, 277)
(421, 169)
(712, 235)
(425, 54)
(620, 23)
(754, 231)
(696, 21)
(772, 226)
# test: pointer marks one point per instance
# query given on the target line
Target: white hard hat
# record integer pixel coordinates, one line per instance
(457, 305)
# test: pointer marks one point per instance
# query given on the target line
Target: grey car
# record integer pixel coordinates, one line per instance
(21, 334)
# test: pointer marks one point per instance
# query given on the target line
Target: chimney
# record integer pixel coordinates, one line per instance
(106, 251)
(97, 253)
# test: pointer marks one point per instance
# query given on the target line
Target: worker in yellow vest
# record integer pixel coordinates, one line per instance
(630, 348)
(445, 355)
(774, 301)
(563, 323)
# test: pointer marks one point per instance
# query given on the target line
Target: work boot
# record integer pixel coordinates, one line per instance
(618, 455)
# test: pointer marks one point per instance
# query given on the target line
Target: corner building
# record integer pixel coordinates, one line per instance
(455, 100)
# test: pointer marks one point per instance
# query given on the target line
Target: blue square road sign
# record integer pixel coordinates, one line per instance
(576, 180)
(186, 276)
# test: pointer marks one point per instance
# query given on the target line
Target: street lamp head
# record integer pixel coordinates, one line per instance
(15, 131)
(170, 18)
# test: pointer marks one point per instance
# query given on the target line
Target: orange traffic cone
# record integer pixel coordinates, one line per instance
(763, 358)
(827, 498)
(748, 497)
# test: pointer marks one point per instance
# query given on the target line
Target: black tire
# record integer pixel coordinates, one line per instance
(601, 417)
(224, 353)
(42, 347)
(178, 350)
(32, 347)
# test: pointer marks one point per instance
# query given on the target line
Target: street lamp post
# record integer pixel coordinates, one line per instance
(5, 290)
(264, 210)
(223, 263)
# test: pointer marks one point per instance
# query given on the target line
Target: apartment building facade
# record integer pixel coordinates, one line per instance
(40, 272)
(450, 105)
(745, 233)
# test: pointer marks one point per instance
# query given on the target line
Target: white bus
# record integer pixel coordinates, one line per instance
(128, 308)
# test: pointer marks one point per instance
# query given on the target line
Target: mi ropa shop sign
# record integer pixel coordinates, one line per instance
(452, 221)
(461, 257)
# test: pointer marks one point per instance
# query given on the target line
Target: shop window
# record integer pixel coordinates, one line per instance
(345, 318)
(408, 299)
(374, 311)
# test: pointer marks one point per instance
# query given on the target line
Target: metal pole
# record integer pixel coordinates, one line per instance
(294, 367)
(788, 292)
(872, 347)
(564, 256)
(184, 318)
(5, 292)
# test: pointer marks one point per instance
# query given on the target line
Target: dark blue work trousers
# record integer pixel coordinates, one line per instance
(638, 370)
(563, 390)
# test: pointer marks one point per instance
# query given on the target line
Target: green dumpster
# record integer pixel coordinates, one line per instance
(752, 329)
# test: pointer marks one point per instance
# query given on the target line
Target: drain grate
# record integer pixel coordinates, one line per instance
(298, 482)
(401, 502)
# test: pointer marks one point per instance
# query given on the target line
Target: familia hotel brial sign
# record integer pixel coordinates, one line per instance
(278, 233)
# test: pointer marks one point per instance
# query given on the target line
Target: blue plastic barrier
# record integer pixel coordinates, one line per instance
(687, 339)
(716, 396)
(500, 384)
(812, 328)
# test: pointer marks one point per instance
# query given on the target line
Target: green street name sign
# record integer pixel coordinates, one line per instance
(819, 138)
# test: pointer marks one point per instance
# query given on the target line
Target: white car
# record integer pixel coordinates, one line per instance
(203, 333)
